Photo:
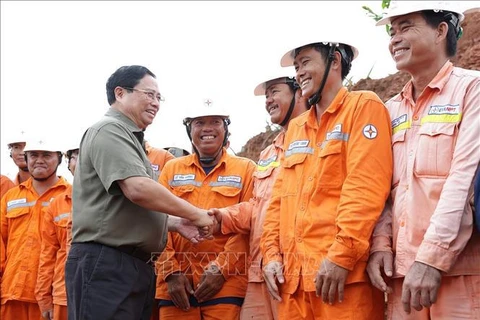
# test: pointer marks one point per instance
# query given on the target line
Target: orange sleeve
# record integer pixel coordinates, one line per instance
(5, 185)
(270, 240)
(238, 218)
(3, 235)
(46, 266)
(366, 187)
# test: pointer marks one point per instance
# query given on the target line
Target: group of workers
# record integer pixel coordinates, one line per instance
(354, 204)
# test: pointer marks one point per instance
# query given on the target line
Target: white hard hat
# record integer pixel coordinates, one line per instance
(400, 8)
(41, 145)
(279, 76)
(17, 137)
(288, 58)
(207, 109)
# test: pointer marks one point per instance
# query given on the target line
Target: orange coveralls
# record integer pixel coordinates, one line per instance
(50, 289)
(436, 148)
(230, 182)
(331, 189)
(5, 185)
(157, 157)
(248, 218)
(21, 215)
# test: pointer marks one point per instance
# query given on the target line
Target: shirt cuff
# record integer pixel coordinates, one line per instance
(435, 256)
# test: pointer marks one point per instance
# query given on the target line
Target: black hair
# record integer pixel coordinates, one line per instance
(125, 77)
(346, 53)
(434, 19)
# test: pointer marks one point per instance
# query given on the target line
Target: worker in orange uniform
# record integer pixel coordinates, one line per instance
(283, 102)
(5, 185)
(328, 195)
(16, 145)
(21, 216)
(206, 280)
(158, 157)
(425, 250)
(50, 289)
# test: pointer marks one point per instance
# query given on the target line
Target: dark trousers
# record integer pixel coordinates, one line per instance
(104, 283)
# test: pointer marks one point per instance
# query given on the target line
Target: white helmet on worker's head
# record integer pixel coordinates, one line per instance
(43, 145)
(400, 8)
(337, 42)
(16, 137)
(208, 109)
(278, 76)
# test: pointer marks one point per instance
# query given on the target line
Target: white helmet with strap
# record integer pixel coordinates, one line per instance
(41, 145)
(17, 137)
(208, 109)
(400, 8)
(278, 76)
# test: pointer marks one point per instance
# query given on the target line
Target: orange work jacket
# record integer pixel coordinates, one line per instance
(331, 189)
(50, 288)
(157, 157)
(5, 185)
(230, 182)
(21, 216)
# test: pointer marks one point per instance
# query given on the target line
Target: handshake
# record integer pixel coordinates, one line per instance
(197, 230)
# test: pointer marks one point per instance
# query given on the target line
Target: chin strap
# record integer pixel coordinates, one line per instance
(313, 100)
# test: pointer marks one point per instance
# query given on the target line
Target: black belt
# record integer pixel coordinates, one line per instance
(136, 252)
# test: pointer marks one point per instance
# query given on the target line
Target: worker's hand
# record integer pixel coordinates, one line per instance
(217, 214)
(48, 315)
(210, 284)
(179, 289)
(420, 287)
(272, 272)
(205, 223)
(330, 280)
(191, 232)
(380, 269)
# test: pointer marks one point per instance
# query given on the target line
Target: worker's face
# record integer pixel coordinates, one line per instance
(142, 104)
(413, 43)
(72, 162)
(278, 98)
(18, 155)
(208, 134)
(310, 67)
(42, 164)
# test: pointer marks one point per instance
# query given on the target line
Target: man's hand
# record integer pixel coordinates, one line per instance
(189, 231)
(420, 287)
(217, 213)
(380, 267)
(330, 279)
(210, 284)
(179, 289)
(48, 315)
(271, 272)
(205, 223)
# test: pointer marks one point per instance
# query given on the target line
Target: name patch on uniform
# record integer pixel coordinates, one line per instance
(16, 201)
(448, 109)
(154, 167)
(398, 121)
(183, 177)
(266, 162)
(337, 128)
(229, 179)
(298, 144)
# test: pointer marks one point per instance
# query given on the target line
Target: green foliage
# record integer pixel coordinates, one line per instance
(377, 17)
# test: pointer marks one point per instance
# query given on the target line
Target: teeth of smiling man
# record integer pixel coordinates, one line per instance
(398, 52)
(208, 137)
